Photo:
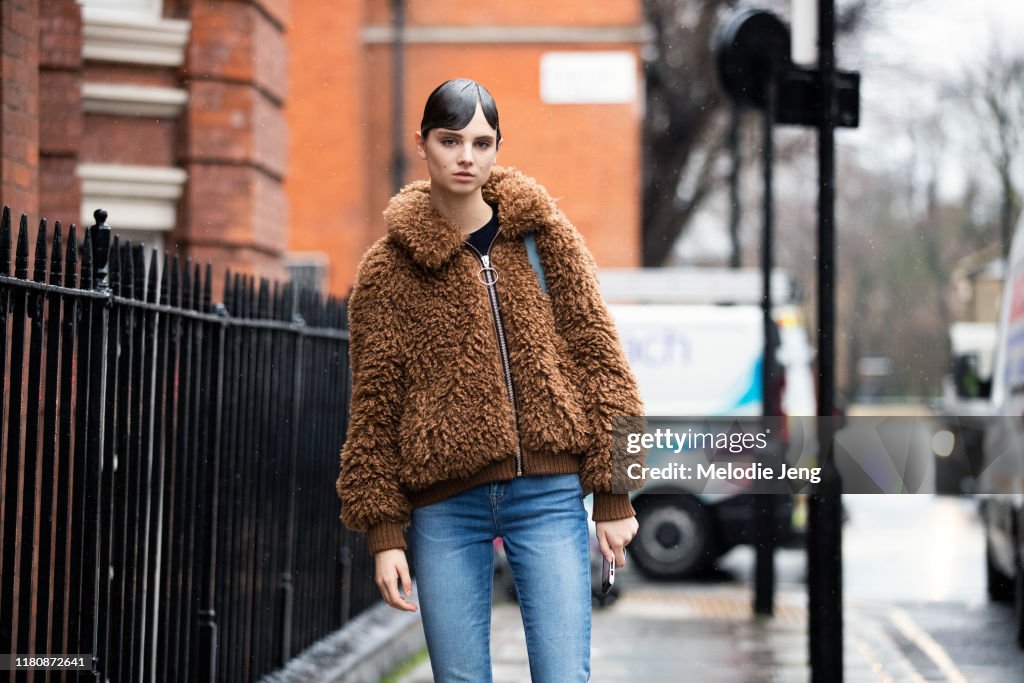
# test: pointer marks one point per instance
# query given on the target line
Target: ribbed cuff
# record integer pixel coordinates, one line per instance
(385, 536)
(611, 506)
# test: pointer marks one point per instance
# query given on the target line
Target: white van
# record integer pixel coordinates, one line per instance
(694, 339)
(1001, 481)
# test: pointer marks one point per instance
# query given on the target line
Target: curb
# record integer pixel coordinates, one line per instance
(366, 650)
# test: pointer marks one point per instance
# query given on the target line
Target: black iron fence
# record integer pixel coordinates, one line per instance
(168, 464)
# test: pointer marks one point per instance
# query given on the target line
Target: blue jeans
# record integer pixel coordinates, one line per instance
(543, 524)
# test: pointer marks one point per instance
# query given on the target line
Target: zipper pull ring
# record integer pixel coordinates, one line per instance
(487, 275)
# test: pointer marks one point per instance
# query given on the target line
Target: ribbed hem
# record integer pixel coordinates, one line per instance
(385, 536)
(498, 470)
(612, 506)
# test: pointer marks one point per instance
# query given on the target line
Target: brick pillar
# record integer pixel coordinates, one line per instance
(234, 212)
(60, 110)
(19, 107)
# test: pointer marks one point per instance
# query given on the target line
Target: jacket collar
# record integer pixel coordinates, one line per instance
(431, 238)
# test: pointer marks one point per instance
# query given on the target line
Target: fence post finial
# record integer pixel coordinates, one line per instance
(99, 235)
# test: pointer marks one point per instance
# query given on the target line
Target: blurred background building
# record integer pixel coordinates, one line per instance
(167, 113)
(257, 134)
(568, 83)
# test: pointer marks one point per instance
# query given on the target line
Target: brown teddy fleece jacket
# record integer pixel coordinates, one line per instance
(438, 405)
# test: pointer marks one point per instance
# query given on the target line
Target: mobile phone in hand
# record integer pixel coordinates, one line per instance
(607, 574)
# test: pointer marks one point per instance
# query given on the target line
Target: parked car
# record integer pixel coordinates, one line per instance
(1000, 484)
(965, 406)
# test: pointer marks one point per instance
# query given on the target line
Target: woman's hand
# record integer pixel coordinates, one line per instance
(392, 566)
(614, 536)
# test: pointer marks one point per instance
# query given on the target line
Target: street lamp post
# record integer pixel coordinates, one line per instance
(804, 88)
(824, 532)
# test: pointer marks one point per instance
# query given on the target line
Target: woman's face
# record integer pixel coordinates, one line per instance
(459, 161)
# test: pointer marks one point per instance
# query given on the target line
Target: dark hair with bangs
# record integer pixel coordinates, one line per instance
(453, 104)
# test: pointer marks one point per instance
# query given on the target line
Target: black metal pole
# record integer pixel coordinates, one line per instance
(397, 95)
(824, 550)
(734, 185)
(764, 507)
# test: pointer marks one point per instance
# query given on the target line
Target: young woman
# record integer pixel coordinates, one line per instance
(481, 404)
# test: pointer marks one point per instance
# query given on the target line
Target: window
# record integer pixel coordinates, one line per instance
(134, 8)
(307, 270)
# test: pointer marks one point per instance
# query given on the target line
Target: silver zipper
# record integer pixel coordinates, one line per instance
(492, 295)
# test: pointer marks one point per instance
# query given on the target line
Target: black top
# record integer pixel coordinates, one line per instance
(482, 237)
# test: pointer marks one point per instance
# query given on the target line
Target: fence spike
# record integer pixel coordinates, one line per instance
(285, 301)
(101, 244)
(87, 279)
(321, 309)
(279, 301)
(226, 298)
(21, 256)
(236, 289)
(262, 300)
(71, 257)
(56, 272)
(151, 278)
(197, 290)
(273, 309)
(229, 306)
(128, 267)
(165, 281)
(289, 302)
(237, 294)
(39, 267)
(207, 285)
(186, 283)
(5, 242)
(114, 266)
(336, 315)
(279, 310)
(139, 257)
(250, 296)
(253, 296)
(174, 298)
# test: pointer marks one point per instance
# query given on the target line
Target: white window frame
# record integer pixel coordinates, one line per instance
(136, 8)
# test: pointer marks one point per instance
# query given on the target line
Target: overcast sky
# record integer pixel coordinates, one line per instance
(916, 46)
(939, 36)
(910, 47)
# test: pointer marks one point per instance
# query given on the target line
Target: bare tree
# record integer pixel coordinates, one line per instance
(686, 130)
(683, 131)
(994, 91)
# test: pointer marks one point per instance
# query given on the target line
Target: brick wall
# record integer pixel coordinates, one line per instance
(339, 113)
(234, 141)
(19, 106)
(60, 110)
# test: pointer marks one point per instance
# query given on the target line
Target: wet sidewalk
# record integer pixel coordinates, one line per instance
(702, 633)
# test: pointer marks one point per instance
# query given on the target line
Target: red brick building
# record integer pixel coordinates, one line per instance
(566, 76)
(167, 113)
(256, 134)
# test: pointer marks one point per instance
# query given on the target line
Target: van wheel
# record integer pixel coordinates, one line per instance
(676, 538)
(1000, 587)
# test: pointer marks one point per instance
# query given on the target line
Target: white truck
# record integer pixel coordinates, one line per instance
(694, 338)
(1000, 483)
